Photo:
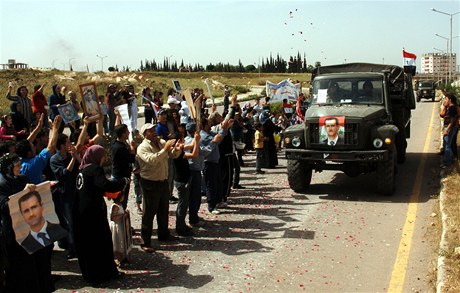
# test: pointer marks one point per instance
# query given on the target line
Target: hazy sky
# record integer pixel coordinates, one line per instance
(42, 33)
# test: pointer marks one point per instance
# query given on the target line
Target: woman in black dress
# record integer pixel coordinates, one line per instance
(93, 238)
(270, 153)
(19, 271)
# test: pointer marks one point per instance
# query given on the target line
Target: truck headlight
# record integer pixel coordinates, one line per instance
(296, 141)
(378, 143)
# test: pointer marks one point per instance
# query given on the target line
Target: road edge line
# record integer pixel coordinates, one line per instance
(398, 273)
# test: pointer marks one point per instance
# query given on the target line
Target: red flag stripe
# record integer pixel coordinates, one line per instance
(409, 55)
(299, 110)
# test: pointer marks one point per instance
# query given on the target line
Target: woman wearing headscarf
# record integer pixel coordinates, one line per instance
(270, 153)
(24, 102)
(56, 99)
(19, 271)
(93, 238)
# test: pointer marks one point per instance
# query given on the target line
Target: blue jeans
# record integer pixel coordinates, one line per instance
(195, 196)
(259, 159)
(448, 151)
(183, 193)
(137, 188)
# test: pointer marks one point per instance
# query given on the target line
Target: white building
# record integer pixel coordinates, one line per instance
(439, 64)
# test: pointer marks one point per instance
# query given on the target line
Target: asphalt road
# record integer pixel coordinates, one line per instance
(340, 236)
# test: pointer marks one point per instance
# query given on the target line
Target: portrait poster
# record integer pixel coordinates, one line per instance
(332, 129)
(125, 119)
(35, 222)
(90, 101)
(68, 113)
(177, 86)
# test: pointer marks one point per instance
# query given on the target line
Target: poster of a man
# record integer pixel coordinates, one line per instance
(68, 112)
(33, 230)
(177, 86)
(332, 130)
(90, 102)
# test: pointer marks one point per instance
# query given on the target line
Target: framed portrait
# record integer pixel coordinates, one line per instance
(89, 96)
(68, 113)
(332, 129)
(35, 222)
(177, 86)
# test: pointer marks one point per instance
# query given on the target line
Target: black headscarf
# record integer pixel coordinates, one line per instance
(7, 162)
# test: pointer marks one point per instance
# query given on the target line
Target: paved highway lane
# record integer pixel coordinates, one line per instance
(340, 236)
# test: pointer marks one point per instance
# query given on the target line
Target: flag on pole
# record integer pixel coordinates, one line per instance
(299, 109)
(409, 58)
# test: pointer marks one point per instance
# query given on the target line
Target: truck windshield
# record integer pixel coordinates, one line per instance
(348, 91)
(425, 84)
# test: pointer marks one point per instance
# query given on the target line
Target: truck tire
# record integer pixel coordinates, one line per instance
(401, 145)
(299, 175)
(386, 174)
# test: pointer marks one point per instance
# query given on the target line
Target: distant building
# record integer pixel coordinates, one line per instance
(12, 64)
(438, 65)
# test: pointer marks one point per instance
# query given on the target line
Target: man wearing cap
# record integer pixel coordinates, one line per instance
(152, 155)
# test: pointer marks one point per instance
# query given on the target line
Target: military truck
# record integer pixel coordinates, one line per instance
(358, 122)
(426, 89)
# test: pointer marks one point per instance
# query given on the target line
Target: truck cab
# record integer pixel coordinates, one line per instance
(358, 122)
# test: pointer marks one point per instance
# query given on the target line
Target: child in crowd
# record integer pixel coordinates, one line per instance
(120, 225)
(259, 147)
(7, 130)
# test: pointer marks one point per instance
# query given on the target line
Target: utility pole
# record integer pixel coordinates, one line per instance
(450, 53)
(102, 61)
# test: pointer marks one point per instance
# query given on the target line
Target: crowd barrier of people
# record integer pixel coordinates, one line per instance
(198, 157)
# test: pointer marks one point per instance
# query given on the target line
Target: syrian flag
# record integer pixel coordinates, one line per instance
(409, 58)
(298, 109)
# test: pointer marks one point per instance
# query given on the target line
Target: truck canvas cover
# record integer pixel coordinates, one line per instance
(396, 73)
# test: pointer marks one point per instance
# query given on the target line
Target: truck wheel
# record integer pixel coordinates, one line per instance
(418, 99)
(299, 175)
(386, 174)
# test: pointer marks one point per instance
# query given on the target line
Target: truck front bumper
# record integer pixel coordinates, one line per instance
(337, 156)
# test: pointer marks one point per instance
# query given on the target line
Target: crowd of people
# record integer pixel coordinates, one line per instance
(100, 159)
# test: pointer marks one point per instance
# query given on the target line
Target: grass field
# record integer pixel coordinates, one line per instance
(238, 82)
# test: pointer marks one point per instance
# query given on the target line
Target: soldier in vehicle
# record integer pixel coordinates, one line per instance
(333, 92)
(367, 93)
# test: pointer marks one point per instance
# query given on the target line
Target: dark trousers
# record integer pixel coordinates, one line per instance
(195, 196)
(112, 118)
(156, 202)
(171, 175)
(125, 191)
(213, 180)
(226, 167)
(237, 169)
(148, 115)
(183, 192)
